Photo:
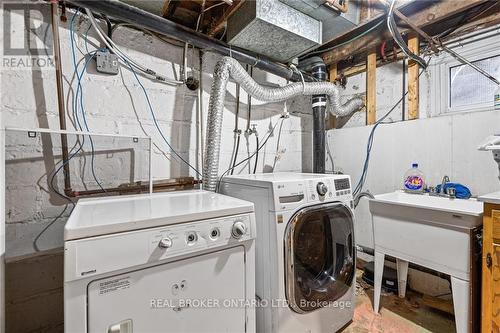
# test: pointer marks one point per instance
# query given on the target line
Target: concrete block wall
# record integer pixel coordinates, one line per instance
(115, 105)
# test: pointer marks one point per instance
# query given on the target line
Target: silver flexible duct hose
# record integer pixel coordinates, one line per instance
(229, 67)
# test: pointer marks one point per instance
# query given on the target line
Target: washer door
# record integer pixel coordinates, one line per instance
(319, 256)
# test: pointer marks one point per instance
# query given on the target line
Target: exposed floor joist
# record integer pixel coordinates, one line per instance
(432, 14)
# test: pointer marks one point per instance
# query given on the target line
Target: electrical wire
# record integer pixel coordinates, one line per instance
(79, 93)
(346, 42)
(213, 6)
(155, 121)
(393, 29)
(127, 61)
(123, 56)
(369, 145)
(252, 155)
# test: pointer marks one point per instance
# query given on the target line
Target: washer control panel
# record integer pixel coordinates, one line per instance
(139, 247)
(329, 189)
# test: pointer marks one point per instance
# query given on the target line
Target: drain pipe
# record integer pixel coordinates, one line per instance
(228, 67)
(318, 109)
(316, 66)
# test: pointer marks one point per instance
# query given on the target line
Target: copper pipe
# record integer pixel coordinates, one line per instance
(142, 187)
(60, 95)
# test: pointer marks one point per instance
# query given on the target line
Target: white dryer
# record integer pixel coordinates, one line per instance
(172, 262)
(305, 251)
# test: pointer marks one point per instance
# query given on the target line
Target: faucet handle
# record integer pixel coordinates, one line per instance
(452, 192)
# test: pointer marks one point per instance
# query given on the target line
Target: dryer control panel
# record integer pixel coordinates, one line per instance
(108, 253)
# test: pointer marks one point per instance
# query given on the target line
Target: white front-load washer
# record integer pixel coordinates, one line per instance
(172, 262)
(305, 251)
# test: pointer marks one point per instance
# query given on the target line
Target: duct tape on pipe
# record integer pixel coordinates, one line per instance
(320, 103)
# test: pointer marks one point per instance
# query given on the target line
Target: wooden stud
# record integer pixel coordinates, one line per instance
(332, 120)
(413, 86)
(371, 87)
(222, 21)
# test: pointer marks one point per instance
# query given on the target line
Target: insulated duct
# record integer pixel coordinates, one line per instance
(229, 67)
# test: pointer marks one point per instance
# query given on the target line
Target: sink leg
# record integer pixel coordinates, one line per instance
(460, 291)
(379, 272)
(402, 268)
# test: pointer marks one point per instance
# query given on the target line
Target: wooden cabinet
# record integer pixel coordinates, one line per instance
(491, 269)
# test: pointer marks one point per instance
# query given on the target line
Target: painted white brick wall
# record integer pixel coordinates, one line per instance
(116, 105)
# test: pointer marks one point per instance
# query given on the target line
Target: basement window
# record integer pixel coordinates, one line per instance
(469, 88)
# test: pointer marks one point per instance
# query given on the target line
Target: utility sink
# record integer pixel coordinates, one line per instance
(434, 232)
(431, 209)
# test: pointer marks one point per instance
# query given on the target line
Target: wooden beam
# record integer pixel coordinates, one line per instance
(434, 13)
(332, 120)
(219, 25)
(165, 8)
(371, 87)
(413, 87)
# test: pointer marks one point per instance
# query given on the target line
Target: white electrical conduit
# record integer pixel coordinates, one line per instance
(113, 47)
(229, 67)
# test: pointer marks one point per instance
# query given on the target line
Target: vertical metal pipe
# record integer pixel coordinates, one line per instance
(2, 225)
(403, 102)
(199, 115)
(60, 94)
(319, 114)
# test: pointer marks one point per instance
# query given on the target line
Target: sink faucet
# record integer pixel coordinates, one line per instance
(446, 179)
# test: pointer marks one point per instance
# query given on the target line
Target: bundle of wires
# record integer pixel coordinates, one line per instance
(135, 68)
(77, 104)
(393, 29)
(125, 58)
(369, 145)
(269, 135)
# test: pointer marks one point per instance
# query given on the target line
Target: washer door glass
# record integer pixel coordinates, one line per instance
(319, 256)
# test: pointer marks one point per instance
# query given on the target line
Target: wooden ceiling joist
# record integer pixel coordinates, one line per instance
(433, 13)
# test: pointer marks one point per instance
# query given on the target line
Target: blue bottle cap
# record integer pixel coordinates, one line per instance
(414, 165)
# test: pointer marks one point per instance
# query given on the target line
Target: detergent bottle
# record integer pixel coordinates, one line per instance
(414, 181)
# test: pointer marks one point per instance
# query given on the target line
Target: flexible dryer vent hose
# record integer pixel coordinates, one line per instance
(229, 67)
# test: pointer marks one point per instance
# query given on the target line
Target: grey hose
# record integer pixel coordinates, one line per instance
(229, 67)
(393, 29)
(358, 197)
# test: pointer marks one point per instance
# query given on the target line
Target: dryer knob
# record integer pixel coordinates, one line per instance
(322, 188)
(239, 229)
(165, 243)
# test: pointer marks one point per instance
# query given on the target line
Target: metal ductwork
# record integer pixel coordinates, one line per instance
(228, 67)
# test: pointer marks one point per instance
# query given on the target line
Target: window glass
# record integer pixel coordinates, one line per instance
(468, 87)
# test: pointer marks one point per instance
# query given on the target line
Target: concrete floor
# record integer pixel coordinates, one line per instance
(397, 315)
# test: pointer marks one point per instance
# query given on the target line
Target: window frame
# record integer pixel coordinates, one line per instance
(476, 48)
